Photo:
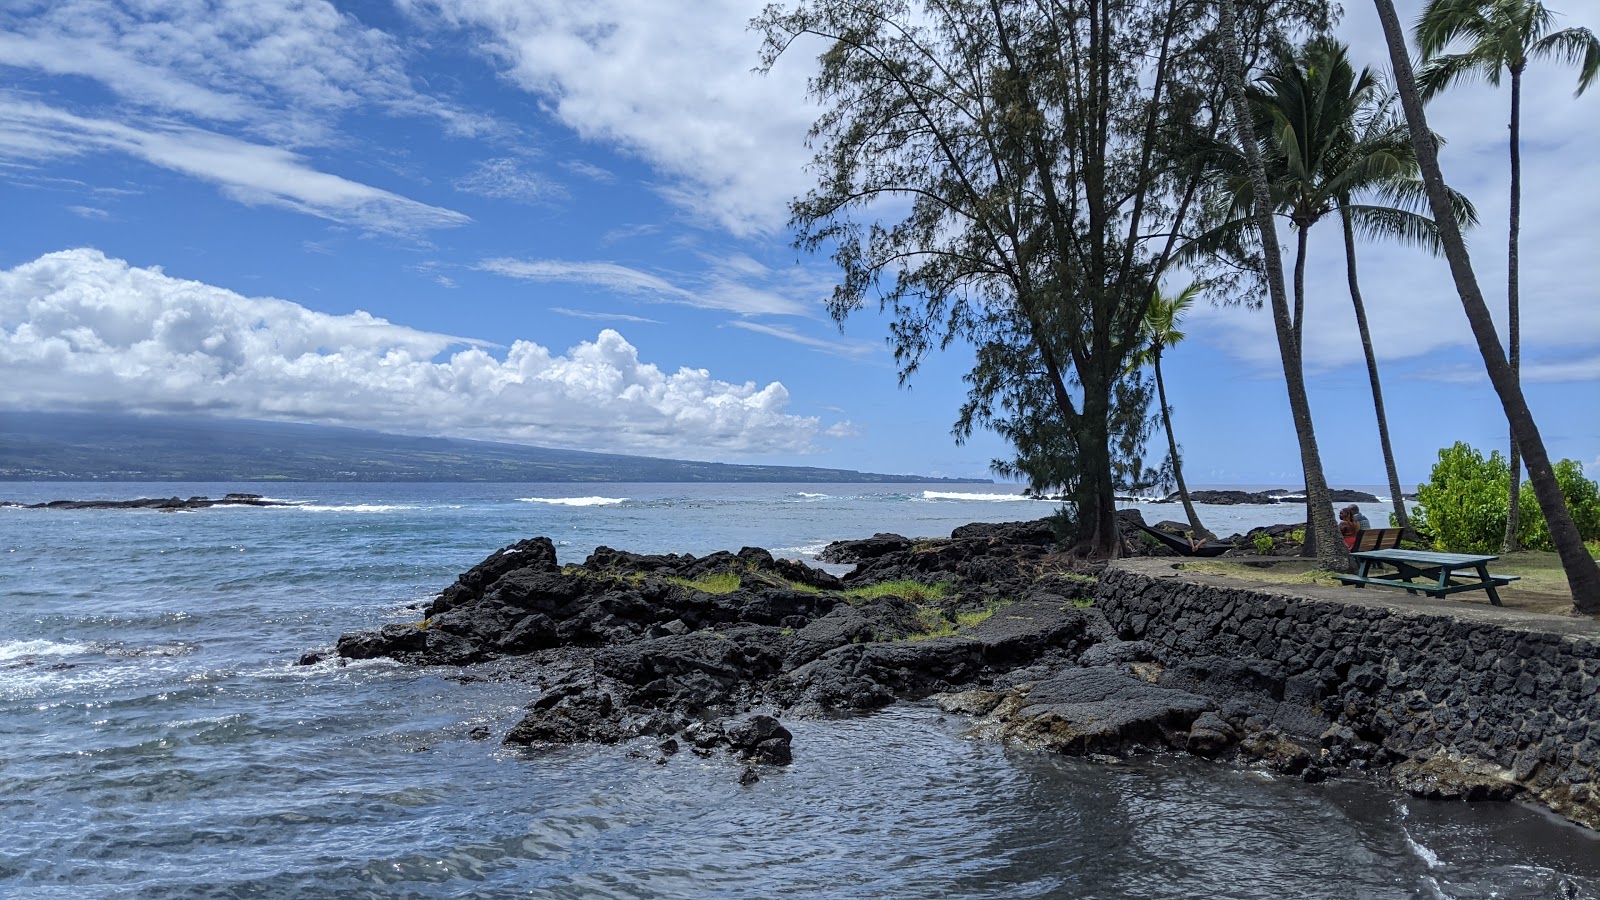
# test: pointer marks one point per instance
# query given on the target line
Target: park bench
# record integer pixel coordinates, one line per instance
(1377, 539)
(1441, 574)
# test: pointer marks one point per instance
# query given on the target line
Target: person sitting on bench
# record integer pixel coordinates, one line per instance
(1352, 522)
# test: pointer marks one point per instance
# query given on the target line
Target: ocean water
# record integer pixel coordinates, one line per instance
(157, 739)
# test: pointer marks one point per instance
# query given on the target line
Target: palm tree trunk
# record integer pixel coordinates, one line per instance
(1332, 553)
(1302, 236)
(1396, 496)
(1513, 542)
(1197, 531)
(1583, 576)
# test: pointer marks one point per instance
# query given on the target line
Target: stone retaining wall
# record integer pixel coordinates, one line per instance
(1458, 688)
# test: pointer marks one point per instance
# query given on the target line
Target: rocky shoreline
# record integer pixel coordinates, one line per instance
(708, 654)
(163, 504)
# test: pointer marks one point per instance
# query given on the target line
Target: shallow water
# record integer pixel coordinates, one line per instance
(158, 740)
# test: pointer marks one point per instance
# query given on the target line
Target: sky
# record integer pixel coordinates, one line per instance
(564, 223)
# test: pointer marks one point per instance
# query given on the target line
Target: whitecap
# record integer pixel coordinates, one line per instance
(802, 552)
(355, 507)
(575, 501)
(1430, 858)
(24, 650)
(807, 495)
(958, 495)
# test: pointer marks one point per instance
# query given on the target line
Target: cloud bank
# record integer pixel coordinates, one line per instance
(79, 330)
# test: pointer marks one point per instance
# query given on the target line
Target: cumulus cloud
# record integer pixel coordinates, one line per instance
(668, 82)
(79, 330)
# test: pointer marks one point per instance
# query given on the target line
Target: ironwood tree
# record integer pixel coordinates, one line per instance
(1014, 174)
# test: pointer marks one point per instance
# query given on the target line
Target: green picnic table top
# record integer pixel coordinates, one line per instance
(1425, 557)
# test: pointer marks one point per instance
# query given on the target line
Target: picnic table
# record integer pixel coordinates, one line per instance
(1440, 574)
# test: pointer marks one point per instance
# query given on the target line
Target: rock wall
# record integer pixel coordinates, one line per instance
(1466, 699)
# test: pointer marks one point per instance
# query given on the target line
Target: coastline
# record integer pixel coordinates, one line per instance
(712, 653)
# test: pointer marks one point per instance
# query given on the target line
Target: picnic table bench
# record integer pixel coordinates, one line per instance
(1441, 574)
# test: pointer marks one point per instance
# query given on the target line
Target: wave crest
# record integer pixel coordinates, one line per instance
(575, 501)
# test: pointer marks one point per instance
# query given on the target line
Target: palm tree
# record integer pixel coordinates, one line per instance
(1583, 575)
(1159, 331)
(1381, 160)
(1331, 551)
(1334, 144)
(1504, 36)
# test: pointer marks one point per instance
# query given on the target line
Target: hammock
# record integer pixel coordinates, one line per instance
(1183, 546)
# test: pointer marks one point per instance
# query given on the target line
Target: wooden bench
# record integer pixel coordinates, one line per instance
(1377, 539)
(1442, 573)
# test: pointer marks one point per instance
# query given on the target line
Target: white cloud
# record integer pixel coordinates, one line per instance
(669, 82)
(250, 173)
(602, 316)
(844, 429)
(590, 171)
(506, 179)
(80, 330)
(715, 290)
(851, 349)
(282, 69)
(89, 212)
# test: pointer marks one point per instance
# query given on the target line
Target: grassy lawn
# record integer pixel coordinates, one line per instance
(1542, 588)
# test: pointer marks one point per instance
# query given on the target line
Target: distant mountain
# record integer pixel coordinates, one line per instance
(93, 447)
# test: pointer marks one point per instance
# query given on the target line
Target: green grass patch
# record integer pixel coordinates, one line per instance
(935, 624)
(913, 591)
(1283, 573)
(715, 583)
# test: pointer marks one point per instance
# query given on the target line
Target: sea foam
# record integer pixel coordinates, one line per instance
(576, 501)
(993, 498)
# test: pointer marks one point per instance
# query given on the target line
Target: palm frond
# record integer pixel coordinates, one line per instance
(1573, 46)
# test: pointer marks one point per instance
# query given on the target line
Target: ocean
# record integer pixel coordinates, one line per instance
(157, 738)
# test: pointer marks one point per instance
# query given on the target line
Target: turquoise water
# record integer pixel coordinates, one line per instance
(157, 740)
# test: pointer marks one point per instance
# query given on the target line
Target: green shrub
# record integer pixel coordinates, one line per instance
(1263, 543)
(1465, 501)
(1583, 502)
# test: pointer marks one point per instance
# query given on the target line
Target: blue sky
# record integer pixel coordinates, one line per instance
(563, 223)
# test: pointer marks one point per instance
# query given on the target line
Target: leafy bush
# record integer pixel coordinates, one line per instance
(1464, 503)
(1583, 501)
(1263, 543)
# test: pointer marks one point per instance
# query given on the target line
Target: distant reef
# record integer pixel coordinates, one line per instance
(93, 447)
(165, 504)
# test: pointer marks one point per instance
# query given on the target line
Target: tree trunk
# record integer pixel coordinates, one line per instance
(1331, 553)
(1513, 541)
(1396, 496)
(1583, 576)
(1308, 548)
(1302, 236)
(1197, 531)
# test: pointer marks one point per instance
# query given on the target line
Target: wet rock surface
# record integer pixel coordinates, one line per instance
(707, 655)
